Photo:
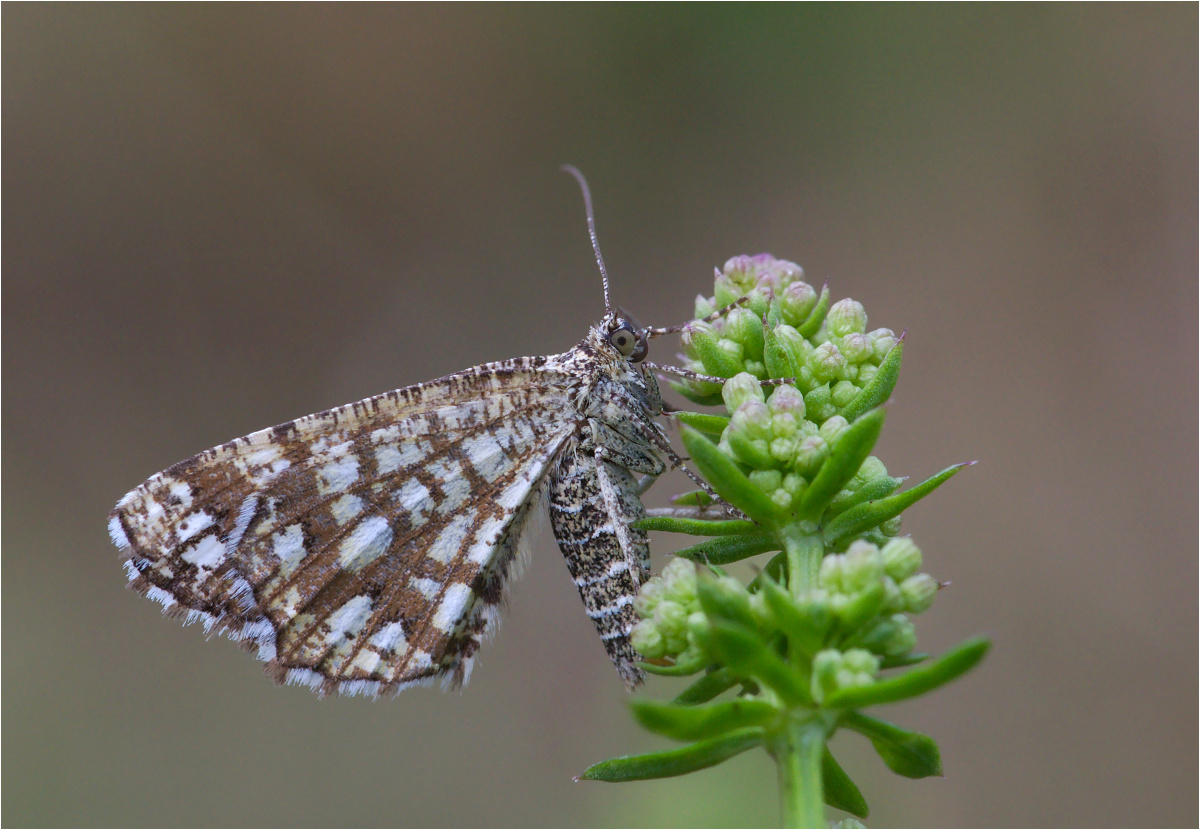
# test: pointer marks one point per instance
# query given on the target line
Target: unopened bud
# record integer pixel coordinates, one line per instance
(827, 362)
(797, 302)
(901, 558)
(882, 342)
(918, 592)
(743, 326)
(846, 316)
(743, 388)
(786, 400)
(857, 347)
(810, 454)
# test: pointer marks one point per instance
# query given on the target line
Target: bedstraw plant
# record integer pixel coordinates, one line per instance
(825, 629)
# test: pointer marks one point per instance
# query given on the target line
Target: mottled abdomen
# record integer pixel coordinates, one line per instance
(591, 503)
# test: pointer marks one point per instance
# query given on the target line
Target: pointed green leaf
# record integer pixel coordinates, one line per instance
(858, 519)
(716, 360)
(730, 482)
(710, 424)
(775, 355)
(812, 323)
(880, 387)
(706, 688)
(745, 653)
(840, 790)
(698, 397)
(721, 602)
(906, 753)
(683, 668)
(847, 455)
(726, 549)
(696, 527)
(881, 487)
(914, 682)
(694, 723)
(699, 755)
(901, 660)
(693, 498)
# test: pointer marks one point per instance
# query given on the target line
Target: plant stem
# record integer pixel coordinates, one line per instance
(798, 751)
(805, 550)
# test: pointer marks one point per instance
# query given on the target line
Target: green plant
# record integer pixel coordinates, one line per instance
(799, 652)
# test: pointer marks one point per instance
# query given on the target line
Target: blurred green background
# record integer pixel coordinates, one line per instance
(220, 217)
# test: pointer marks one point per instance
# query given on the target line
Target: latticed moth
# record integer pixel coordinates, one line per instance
(367, 548)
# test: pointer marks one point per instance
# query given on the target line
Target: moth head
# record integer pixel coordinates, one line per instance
(628, 339)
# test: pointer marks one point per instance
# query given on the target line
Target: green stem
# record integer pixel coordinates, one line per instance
(798, 751)
(805, 550)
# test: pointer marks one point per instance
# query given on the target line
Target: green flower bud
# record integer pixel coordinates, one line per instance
(796, 302)
(893, 636)
(743, 388)
(846, 316)
(891, 527)
(782, 449)
(783, 425)
(833, 428)
(756, 367)
(782, 498)
(863, 566)
(743, 326)
(866, 373)
(648, 597)
(856, 347)
(860, 661)
(766, 480)
(842, 393)
(785, 272)
(751, 420)
(797, 350)
(901, 558)
(818, 404)
(648, 641)
(795, 485)
(704, 307)
(872, 468)
(827, 362)
(918, 592)
(810, 454)
(758, 302)
(679, 583)
(786, 400)
(725, 291)
(882, 341)
(741, 271)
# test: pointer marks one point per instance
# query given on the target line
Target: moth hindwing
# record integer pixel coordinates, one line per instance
(366, 548)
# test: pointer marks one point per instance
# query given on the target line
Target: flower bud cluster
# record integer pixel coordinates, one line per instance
(671, 615)
(783, 328)
(783, 448)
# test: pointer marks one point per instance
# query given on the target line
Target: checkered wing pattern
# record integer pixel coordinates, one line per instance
(366, 548)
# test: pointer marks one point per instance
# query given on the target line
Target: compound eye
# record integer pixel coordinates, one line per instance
(624, 341)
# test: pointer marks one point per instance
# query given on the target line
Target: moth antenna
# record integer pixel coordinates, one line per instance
(591, 220)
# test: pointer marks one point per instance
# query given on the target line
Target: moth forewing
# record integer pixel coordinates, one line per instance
(367, 548)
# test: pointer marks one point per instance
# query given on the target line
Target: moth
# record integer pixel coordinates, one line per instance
(367, 548)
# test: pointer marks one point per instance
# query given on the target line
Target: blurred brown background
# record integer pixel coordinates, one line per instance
(222, 217)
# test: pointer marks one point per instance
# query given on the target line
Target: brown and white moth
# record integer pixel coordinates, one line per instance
(366, 549)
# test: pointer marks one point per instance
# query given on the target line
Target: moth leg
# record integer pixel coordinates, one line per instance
(660, 331)
(608, 494)
(690, 375)
(653, 436)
